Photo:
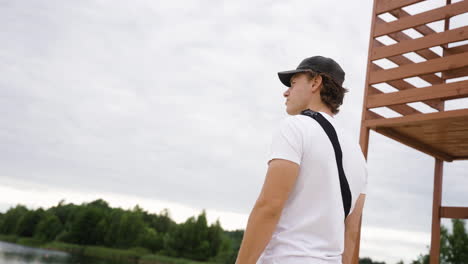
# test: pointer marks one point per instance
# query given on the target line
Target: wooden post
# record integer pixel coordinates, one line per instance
(364, 133)
(436, 205)
(434, 257)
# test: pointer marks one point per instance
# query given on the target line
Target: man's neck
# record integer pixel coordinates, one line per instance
(321, 109)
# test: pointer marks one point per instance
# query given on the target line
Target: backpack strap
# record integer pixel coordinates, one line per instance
(328, 127)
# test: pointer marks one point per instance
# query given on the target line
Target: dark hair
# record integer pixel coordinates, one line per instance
(331, 93)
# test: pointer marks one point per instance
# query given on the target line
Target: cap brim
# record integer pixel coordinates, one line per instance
(285, 76)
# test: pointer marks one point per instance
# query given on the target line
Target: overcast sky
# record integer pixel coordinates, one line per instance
(173, 103)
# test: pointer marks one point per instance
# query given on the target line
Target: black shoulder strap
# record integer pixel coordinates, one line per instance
(328, 127)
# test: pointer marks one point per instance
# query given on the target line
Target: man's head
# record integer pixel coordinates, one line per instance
(316, 83)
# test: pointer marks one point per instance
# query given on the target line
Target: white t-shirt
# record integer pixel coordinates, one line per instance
(311, 227)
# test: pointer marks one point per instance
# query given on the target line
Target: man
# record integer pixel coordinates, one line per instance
(298, 217)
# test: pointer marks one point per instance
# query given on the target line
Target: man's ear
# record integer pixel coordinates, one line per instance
(316, 83)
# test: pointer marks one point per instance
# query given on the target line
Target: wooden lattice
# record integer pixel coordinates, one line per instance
(443, 64)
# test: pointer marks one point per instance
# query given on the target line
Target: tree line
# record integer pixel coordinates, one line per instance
(96, 223)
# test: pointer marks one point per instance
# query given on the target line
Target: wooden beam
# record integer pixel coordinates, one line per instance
(431, 66)
(425, 53)
(401, 109)
(422, 29)
(422, 18)
(388, 5)
(412, 119)
(460, 158)
(454, 212)
(437, 39)
(460, 72)
(402, 60)
(401, 36)
(456, 50)
(436, 204)
(430, 78)
(364, 131)
(371, 115)
(442, 91)
(404, 85)
(413, 143)
(457, 72)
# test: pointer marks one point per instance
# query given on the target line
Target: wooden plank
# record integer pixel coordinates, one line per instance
(454, 212)
(450, 74)
(364, 131)
(403, 85)
(388, 5)
(436, 204)
(461, 158)
(437, 39)
(442, 91)
(456, 73)
(413, 143)
(421, 18)
(402, 120)
(372, 115)
(423, 29)
(402, 109)
(402, 60)
(430, 78)
(456, 50)
(431, 66)
(425, 53)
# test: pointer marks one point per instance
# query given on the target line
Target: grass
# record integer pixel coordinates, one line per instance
(133, 255)
(9, 238)
(156, 259)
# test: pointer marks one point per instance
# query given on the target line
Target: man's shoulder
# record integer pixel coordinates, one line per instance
(299, 125)
(296, 119)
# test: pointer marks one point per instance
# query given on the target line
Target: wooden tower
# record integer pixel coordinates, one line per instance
(443, 66)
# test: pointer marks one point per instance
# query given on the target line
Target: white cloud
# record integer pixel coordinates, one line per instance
(175, 101)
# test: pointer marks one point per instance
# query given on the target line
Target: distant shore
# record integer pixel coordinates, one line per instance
(133, 255)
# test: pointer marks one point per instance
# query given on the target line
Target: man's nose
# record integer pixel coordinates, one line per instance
(286, 93)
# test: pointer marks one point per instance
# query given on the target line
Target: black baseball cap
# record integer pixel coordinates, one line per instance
(317, 64)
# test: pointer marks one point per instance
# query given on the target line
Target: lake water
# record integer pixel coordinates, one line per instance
(16, 254)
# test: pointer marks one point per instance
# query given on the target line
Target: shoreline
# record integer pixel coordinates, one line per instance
(134, 255)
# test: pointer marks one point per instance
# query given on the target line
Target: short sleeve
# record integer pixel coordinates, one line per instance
(287, 141)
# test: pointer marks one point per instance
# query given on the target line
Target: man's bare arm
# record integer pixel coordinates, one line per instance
(352, 229)
(279, 182)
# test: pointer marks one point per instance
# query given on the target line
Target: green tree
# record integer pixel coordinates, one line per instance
(112, 233)
(189, 239)
(422, 259)
(84, 229)
(27, 223)
(11, 218)
(453, 246)
(48, 228)
(236, 238)
(130, 228)
(96, 223)
(225, 255)
(64, 212)
(215, 238)
(368, 260)
(161, 223)
(151, 240)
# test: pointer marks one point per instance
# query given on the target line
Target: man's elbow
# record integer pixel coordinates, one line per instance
(268, 208)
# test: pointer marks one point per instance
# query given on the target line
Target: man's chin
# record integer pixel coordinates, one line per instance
(292, 111)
